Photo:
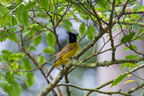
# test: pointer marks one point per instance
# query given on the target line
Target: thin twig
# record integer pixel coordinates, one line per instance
(106, 63)
(136, 88)
(110, 30)
(67, 87)
(94, 90)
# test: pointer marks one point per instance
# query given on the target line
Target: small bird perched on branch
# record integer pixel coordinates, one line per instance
(68, 51)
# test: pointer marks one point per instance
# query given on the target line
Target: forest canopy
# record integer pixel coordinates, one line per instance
(30, 31)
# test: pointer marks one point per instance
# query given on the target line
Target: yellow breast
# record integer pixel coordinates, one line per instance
(65, 58)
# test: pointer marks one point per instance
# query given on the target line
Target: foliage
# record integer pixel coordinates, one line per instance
(29, 23)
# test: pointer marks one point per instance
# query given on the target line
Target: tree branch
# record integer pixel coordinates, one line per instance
(94, 90)
(140, 12)
(106, 63)
(99, 87)
(57, 79)
(110, 25)
(136, 88)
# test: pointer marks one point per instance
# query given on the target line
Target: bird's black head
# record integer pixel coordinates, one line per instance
(72, 37)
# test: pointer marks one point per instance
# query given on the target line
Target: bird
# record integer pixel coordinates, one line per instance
(67, 52)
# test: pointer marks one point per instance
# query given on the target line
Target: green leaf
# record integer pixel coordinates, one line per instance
(49, 50)
(3, 84)
(118, 79)
(103, 4)
(90, 32)
(59, 10)
(127, 38)
(135, 16)
(3, 10)
(37, 40)
(13, 37)
(12, 29)
(136, 26)
(118, 2)
(44, 4)
(26, 64)
(128, 65)
(141, 9)
(4, 58)
(130, 47)
(14, 66)
(17, 89)
(5, 2)
(32, 48)
(29, 6)
(16, 57)
(0, 75)
(6, 52)
(35, 26)
(5, 55)
(50, 39)
(23, 16)
(29, 79)
(39, 9)
(14, 21)
(13, 89)
(88, 6)
(92, 28)
(9, 90)
(41, 59)
(67, 25)
(6, 18)
(82, 28)
(131, 57)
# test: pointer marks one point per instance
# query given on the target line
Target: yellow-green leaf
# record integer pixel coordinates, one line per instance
(16, 57)
(131, 57)
(13, 66)
(129, 81)
(129, 75)
(49, 50)
(41, 59)
(128, 65)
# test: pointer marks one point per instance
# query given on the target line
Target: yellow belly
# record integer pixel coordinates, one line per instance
(65, 58)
